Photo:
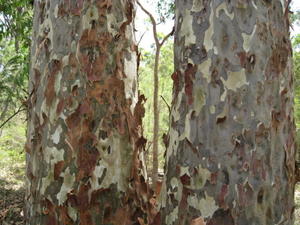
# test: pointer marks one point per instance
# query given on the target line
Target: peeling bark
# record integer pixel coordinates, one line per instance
(84, 141)
(231, 154)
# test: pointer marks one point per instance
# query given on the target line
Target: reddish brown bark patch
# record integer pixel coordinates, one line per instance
(175, 78)
(48, 211)
(139, 110)
(245, 195)
(88, 156)
(58, 167)
(60, 107)
(222, 196)
(50, 90)
(70, 7)
(54, 68)
(93, 58)
(64, 216)
(189, 76)
(277, 62)
(198, 221)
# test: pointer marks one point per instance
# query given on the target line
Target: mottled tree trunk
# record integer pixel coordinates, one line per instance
(230, 158)
(84, 131)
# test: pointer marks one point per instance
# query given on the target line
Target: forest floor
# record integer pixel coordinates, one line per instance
(297, 202)
(12, 193)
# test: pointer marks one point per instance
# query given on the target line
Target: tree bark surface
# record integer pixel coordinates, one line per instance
(84, 131)
(230, 159)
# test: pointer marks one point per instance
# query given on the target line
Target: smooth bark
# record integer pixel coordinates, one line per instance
(231, 155)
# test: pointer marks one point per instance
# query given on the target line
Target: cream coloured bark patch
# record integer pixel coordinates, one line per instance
(248, 39)
(56, 135)
(223, 6)
(197, 6)
(206, 206)
(212, 109)
(187, 30)
(205, 69)
(115, 161)
(235, 80)
(200, 178)
(90, 16)
(173, 216)
(66, 187)
(130, 81)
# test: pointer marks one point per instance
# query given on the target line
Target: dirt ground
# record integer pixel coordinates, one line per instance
(12, 194)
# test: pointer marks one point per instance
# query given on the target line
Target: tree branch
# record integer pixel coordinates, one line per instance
(152, 21)
(167, 36)
(154, 26)
(141, 38)
(169, 108)
(12, 116)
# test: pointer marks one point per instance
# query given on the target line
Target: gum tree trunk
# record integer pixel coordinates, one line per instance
(84, 130)
(230, 158)
(156, 113)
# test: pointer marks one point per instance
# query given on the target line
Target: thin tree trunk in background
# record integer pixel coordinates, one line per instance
(84, 132)
(156, 119)
(231, 156)
(158, 45)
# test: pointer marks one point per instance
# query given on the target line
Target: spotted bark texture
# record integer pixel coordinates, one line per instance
(230, 159)
(84, 138)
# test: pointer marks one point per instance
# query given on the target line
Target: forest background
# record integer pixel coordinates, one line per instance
(15, 33)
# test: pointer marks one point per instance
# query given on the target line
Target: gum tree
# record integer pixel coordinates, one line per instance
(84, 127)
(230, 158)
(156, 111)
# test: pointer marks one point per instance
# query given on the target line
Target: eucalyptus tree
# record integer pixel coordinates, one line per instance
(84, 124)
(230, 158)
(156, 112)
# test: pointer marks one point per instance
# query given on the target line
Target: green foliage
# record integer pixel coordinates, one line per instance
(296, 60)
(295, 17)
(297, 204)
(296, 67)
(15, 33)
(12, 156)
(12, 139)
(16, 21)
(165, 90)
(164, 8)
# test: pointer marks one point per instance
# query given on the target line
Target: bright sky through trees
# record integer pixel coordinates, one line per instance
(295, 7)
(145, 29)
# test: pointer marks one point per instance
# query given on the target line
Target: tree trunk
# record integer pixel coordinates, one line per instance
(158, 45)
(230, 158)
(156, 119)
(84, 131)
